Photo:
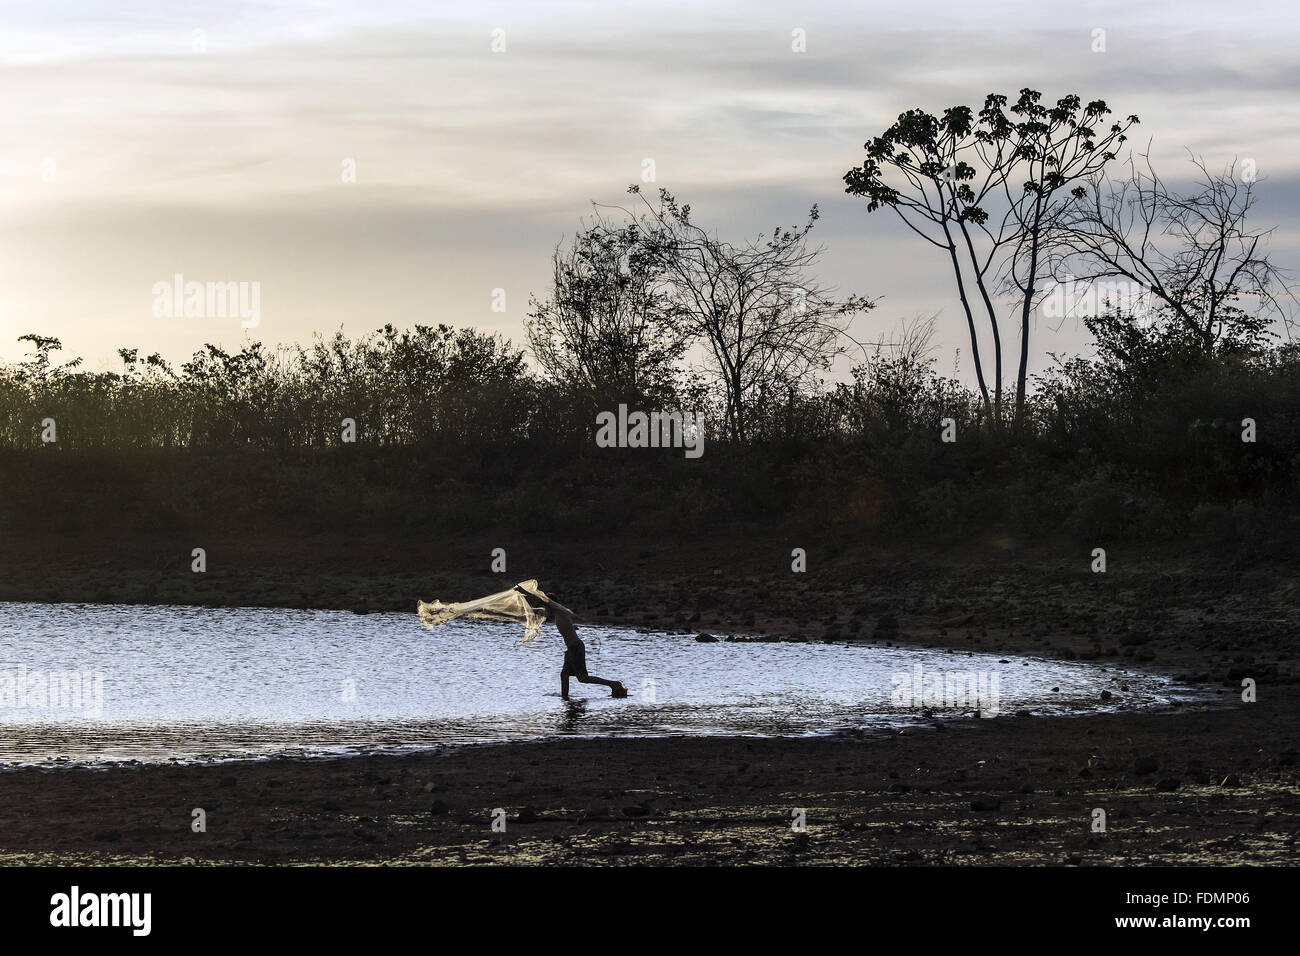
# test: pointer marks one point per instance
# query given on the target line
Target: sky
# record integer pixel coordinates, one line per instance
(381, 162)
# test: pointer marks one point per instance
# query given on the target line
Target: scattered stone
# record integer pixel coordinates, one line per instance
(525, 815)
(706, 638)
(986, 803)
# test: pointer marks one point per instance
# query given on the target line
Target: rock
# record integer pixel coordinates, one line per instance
(1168, 784)
(637, 810)
(439, 807)
(986, 803)
(108, 836)
(525, 815)
(1106, 695)
(1145, 765)
(706, 638)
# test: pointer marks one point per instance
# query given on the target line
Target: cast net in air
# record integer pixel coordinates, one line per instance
(502, 606)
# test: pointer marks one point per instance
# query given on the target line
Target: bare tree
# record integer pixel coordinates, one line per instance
(765, 323)
(914, 339)
(1193, 251)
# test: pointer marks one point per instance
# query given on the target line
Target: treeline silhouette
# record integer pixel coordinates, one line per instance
(1186, 418)
(454, 431)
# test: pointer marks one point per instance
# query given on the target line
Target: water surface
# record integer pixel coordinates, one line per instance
(162, 683)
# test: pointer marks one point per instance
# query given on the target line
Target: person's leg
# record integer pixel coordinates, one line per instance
(564, 684)
(616, 687)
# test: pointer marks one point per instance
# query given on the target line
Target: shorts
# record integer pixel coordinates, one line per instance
(575, 661)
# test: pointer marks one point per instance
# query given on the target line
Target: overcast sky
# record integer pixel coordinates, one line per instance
(143, 139)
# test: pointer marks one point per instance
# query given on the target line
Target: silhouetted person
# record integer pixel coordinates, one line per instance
(575, 652)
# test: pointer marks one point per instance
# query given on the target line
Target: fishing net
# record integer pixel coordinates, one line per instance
(502, 606)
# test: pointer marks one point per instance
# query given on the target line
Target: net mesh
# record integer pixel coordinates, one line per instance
(502, 606)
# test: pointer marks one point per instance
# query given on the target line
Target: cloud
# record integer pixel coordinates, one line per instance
(471, 165)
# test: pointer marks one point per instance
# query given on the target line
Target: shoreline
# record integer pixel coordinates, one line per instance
(306, 754)
(1021, 791)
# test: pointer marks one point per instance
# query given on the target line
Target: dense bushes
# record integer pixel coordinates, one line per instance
(454, 432)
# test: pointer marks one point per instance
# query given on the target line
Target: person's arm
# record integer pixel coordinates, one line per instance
(555, 606)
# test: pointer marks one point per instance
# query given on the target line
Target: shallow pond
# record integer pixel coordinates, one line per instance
(93, 683)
